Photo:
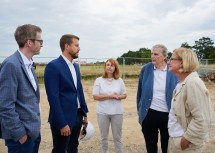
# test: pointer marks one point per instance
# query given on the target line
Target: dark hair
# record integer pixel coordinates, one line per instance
(67, 39)
(116, 73)
(25, 32)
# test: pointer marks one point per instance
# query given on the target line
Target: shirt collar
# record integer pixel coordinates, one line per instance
(165, 68)
(25, 59)
(67, 61)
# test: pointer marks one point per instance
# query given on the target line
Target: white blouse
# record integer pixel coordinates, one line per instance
(175, 129)
(104, 86)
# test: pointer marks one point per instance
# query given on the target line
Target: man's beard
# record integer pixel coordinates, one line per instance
(73, 55)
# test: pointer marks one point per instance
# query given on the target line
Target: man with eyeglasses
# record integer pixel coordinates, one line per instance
(19, 93)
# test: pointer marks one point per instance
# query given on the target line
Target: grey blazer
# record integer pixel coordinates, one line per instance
(19, 102)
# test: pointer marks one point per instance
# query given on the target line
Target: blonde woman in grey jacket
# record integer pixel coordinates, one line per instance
(191, 113)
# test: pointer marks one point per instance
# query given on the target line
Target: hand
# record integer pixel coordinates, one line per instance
(23, 139)
(184, 143)
(65, 131)
(111, 96)
(115, 96)
(85, 120)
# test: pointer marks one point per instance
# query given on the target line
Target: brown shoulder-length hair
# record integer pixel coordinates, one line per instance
(116, 73)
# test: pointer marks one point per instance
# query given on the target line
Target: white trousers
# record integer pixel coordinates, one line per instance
(104, 122)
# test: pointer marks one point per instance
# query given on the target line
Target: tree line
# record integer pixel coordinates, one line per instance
(203, 47)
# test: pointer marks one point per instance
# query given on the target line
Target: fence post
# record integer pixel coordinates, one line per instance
(123, 59)
(79, 62)
(206, 63)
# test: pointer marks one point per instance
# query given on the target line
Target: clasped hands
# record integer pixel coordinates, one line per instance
(114, 96)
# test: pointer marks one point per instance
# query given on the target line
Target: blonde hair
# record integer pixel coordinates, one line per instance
(189, 59)
(116, 73)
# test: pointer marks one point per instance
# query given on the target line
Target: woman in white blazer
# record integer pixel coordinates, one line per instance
(190, 118)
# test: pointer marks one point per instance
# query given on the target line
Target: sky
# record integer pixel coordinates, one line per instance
(108, 28)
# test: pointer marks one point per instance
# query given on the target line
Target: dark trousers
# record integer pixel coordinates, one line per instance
(67, 144)
(154, 123)
(30, 146)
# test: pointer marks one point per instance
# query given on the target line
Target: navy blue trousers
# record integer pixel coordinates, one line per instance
(67, 144)
(30, 146)
(154, 123)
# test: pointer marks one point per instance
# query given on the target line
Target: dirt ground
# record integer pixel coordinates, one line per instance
(133, 141)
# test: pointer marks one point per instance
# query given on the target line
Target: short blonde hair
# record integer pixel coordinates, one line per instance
(116, 73)
(189, 59)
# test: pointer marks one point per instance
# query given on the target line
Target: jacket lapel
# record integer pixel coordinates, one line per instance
(190, 76)
(77, 71)
(168, 77)
(35, 78)
(26, 73)
(65, 68)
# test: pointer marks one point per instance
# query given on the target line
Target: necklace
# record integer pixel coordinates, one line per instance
(109, 81)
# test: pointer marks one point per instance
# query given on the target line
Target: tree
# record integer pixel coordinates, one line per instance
(204, 48)
(186, 45)
(212, 55)
(139, 55)
(169, 55)
(145, 53)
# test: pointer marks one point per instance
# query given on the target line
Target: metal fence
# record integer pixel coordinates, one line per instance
(129, 66)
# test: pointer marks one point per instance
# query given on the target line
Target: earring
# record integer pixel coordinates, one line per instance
(180, 70)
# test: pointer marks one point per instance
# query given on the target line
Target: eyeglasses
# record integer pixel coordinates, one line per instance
(175, 59)
(41, 41)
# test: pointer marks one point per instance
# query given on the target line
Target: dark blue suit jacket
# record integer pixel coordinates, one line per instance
(62, 93)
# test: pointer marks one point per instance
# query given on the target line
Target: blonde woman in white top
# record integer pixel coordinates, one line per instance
(191, 118)
(109, 90)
